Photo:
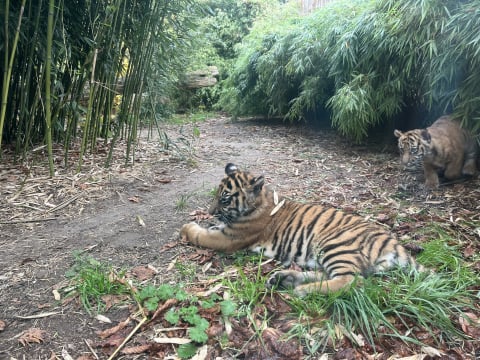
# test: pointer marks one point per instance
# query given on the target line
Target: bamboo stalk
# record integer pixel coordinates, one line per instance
(8, 63)
(89, 112)
(48, 101)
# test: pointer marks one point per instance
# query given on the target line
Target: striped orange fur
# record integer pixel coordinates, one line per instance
(331, 246)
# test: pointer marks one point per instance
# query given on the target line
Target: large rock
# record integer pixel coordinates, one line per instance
(201, 78)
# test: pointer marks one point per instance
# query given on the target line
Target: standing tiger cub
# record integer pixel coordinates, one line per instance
(333, 246)
(442, 147)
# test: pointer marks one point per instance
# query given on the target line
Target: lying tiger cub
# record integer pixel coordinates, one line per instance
(442, 147)
(334, 246)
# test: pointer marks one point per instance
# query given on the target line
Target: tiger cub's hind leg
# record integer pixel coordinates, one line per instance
(470, 167)
(306, 282)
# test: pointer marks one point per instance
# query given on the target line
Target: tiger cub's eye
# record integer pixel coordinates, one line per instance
(226, 198)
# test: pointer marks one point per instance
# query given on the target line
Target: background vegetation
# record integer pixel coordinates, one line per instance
(362, 63)
(214, 41)
(67, 65)
(89, 70)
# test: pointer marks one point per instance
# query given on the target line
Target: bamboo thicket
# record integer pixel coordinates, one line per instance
(362, 64)
(65, 69)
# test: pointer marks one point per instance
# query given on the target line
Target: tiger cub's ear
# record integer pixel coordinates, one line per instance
(257, 184)
(426, 135)
(397, 133)
(230, 169)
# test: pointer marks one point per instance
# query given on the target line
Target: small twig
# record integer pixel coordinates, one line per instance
(65, 203)
(117, 350)
(22, 185)
(91, 349)
(26, 221)
(38, 316)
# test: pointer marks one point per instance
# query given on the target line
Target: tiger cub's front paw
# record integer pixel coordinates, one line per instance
(284, 279)
(188, 232)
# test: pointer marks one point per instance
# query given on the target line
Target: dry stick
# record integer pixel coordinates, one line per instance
(65, 203)
(38, 316)
(91, 350)
(144, 319)
(26, 221)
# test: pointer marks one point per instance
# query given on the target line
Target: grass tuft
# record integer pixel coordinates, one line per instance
(399, 304)
(93, 280)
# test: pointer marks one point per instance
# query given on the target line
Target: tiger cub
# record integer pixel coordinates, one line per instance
(333, 246)
(442, 147)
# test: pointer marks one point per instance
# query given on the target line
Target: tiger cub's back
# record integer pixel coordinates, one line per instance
(319, 237)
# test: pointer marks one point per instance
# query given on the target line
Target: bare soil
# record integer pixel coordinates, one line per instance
(130, 216)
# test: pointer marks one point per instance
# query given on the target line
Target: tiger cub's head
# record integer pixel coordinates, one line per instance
(238, 195)
(413, 145)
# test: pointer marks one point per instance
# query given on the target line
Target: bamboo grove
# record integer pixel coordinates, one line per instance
(62, 63)
(363, 63)
(80, 73)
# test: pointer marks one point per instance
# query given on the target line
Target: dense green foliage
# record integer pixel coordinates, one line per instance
(91, 46)
(363, 62)
(224, 25)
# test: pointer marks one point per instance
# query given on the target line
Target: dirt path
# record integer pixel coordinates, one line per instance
(132, 217)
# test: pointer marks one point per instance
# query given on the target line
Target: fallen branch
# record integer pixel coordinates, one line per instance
(26, 221)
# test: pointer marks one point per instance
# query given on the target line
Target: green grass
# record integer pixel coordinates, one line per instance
(188, 271)
(92, 280)
(397, 304)
(182, 202)
(398, 301)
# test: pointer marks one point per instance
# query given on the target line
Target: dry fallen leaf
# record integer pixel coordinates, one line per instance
(413, 357)
(2, 325)
(161, 308)
(66, 355)
(111, 300)
(56, 295)
(103, 319)
(288, 349)
(108, 332)
(143, 273)
(470, 326)
(168, 246)
(32, 335)
(200, 214)
(469, 251)
(432, 352)
(140, 220)
(136, 349)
